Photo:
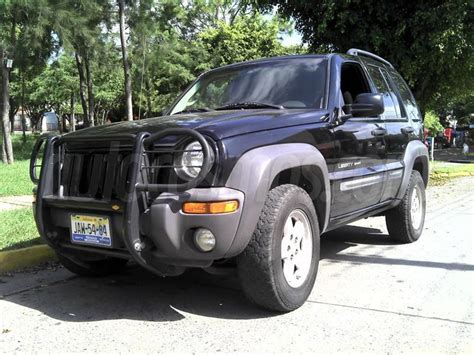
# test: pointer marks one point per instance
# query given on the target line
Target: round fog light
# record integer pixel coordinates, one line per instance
(204, 239)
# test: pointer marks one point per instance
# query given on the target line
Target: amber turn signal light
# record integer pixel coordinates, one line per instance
(210, 207)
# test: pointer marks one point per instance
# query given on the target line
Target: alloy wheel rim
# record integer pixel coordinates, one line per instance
(416, 208)
(296, 248)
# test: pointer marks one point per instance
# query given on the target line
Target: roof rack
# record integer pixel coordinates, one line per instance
(355, 51)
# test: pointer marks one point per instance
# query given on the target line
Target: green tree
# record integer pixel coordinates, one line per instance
(108, 82)
(430, 42)
(165, 59)
(52, 90)
(249, 37)
(79, 25)
(25, 40)
(432, 123)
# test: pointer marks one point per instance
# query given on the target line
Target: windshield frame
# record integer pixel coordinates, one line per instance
(326, 62)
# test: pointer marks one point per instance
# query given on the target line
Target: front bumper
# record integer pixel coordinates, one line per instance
(157, 225)
(171, 231)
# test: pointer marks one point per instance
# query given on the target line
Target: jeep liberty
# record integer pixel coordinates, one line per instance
(246, 171)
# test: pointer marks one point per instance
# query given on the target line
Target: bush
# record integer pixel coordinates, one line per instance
(432, 123)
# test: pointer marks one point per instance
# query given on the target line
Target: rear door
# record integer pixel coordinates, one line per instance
(397, 125)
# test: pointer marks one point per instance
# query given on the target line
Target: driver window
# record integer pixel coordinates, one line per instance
(353, 82)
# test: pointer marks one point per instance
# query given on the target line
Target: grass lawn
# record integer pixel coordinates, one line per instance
(18, 229)
(15, 179)
(441, 172)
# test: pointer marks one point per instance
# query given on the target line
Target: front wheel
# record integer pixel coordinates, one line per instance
(278, 267)
(405, 222)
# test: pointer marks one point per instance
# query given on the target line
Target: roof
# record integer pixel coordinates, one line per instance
(352, 53)
(274, 59)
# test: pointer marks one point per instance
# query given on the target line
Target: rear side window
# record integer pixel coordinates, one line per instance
(407, 97)
(384, 87)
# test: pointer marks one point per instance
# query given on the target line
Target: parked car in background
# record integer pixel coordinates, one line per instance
(49, 122)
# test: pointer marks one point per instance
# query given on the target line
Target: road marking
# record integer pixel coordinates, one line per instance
(390, 312)
(365, 259)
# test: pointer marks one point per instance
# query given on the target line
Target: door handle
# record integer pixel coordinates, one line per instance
(379, 132)
(407, 130)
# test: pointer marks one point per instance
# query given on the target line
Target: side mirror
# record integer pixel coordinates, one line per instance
(367, 105)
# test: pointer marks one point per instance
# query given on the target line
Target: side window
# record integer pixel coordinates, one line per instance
(384, 87)
(406, 96)
(353, 82)
(394, 93)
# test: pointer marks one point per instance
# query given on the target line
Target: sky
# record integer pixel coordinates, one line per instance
(287, 39)
(291, 39)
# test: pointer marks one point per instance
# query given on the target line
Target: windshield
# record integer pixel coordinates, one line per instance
(289, 83)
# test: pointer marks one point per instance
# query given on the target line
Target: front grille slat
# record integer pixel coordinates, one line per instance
(96, 175)
(110, 174)
(121, 182)
(76, 174)
(66, 173)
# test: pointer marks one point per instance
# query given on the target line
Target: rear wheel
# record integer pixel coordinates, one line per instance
(92, 268)
(279, 266)
(405, 222)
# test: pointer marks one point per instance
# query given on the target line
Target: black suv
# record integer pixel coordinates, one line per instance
(247, 169)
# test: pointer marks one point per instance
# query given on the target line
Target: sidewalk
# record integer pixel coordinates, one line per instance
(453, 155)
(14, 202)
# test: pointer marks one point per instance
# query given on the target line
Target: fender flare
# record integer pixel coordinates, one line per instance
(254, 174)
(415, 150)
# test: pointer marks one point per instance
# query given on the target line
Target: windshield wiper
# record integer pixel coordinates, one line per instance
(250, 104)
(193, 110)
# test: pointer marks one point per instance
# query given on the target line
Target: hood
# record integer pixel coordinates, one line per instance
(217, 124)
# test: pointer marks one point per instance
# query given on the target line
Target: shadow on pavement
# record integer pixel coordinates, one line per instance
(139, 295)
(333, 242)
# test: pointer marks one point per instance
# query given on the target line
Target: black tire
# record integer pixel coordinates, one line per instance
(260, 265)
(399, 219)
(92, 268)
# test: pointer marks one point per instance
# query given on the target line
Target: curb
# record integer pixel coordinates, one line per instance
(26, 257)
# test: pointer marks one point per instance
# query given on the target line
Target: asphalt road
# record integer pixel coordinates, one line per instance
(370, 296)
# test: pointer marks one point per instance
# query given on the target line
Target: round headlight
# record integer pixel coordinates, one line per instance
(191, 160)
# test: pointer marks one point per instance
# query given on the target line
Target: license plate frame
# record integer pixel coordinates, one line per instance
(91, 230)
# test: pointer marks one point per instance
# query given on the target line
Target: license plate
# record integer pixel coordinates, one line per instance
(91, 230)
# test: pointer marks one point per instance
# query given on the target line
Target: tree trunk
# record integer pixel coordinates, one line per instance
(82, 88)
(126, 64)
(23, 119)
(11, 117)
(59, 119)
(7, 150)
(73, 115)
(90, 90)
(148, 99)
(419, 92)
